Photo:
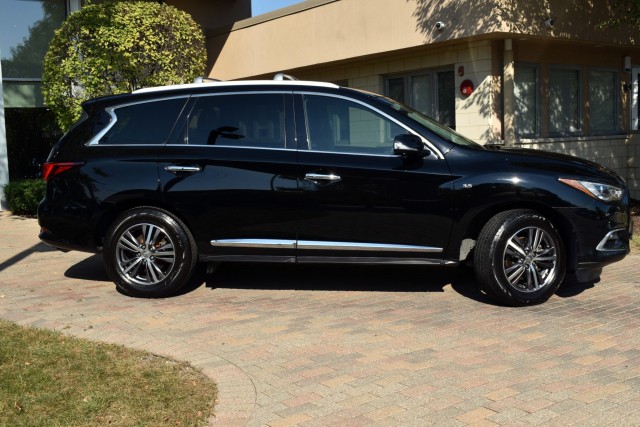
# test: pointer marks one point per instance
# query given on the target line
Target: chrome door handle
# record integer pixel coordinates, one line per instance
(314, 177)
(178, 169)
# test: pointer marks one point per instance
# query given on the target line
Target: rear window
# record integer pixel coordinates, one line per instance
(145, 123)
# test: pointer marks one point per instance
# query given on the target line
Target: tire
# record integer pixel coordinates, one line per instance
(519, 258)
(149, 253)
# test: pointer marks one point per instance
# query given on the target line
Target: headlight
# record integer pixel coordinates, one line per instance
(604, 192)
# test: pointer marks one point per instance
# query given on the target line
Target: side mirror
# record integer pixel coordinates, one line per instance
(409, 146)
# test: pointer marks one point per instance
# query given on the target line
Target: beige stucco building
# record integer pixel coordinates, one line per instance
(543, 75)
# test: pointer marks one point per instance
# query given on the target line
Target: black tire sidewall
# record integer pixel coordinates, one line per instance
(182, 268)
(501, 288)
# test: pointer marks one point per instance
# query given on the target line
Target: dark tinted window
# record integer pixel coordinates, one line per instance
(252, 120)
(336, 124)
(144, 123)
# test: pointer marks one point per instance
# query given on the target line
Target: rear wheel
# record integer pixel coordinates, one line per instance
(149, 253)
(519, 258)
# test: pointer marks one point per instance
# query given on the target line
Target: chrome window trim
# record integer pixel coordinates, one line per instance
(95, 141)
(431, 147)
(321, 245)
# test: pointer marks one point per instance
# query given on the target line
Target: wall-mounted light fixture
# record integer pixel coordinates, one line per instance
(626, 64)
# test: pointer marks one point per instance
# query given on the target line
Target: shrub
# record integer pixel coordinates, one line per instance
(117, 47)
(24, 196)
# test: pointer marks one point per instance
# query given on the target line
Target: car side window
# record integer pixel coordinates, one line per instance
(341, 125)
(251, 120)
(144, 123)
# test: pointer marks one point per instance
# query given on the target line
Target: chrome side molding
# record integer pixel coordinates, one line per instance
(320, 245)
(254, 243)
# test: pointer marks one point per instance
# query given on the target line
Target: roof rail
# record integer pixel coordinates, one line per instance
(283, 76)
(202, 79)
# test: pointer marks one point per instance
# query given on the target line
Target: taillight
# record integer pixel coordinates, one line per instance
(52, 169)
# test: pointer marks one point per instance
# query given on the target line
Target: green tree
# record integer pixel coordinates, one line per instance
(118, 47)
(624, 12)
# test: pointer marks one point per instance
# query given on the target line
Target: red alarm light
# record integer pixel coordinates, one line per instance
(466, 87)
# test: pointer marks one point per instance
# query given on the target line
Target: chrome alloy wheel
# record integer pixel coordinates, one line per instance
(145, 254)
(530, 259)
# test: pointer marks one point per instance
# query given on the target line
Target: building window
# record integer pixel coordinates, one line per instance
(603, 101)
(565, 96)
(430, 92)
(527, 102)
(26, 28)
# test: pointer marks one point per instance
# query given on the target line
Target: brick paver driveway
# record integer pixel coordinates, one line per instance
(292, 345)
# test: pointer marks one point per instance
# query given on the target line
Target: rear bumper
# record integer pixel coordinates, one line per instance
(62, 244)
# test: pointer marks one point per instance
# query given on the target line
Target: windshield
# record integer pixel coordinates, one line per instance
(437, 128)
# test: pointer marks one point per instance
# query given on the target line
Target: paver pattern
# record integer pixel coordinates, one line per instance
(330, 345)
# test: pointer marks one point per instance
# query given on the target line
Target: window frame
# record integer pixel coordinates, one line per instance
(634, 94)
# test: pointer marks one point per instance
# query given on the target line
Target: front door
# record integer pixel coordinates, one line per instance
(357, 199)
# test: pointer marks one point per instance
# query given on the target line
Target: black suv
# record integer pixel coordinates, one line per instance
(291, 171)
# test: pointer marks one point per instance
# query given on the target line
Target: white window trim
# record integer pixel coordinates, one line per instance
(635, 93)
(4, 155)
(73, 5)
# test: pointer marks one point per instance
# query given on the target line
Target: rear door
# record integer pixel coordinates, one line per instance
(231, 174)
(358, 199)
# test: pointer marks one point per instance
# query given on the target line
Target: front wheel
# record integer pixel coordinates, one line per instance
(519, 258)
(149, 253)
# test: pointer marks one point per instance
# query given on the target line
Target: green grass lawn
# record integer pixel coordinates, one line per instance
(47, 378)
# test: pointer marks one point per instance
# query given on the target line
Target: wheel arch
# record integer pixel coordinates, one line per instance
(114, 211)
(473, 222)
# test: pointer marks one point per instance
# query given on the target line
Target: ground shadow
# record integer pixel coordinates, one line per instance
(571, 287)
(335, 277)
(38, 247)
(344, 278)
(91, 269)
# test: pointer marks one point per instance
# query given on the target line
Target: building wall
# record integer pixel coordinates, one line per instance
(475, 116)
(325, 31)
(214, 14)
